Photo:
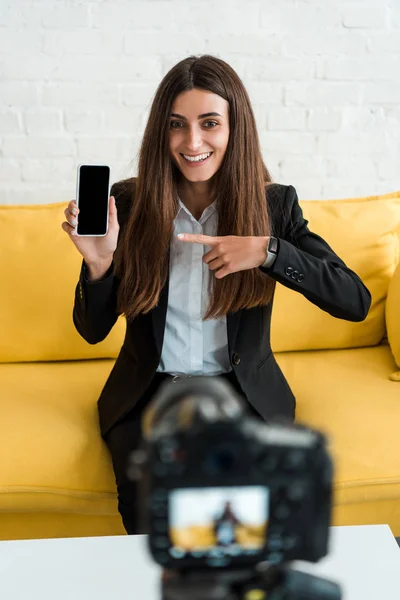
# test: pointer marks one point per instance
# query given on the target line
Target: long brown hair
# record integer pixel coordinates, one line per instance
(142, 256)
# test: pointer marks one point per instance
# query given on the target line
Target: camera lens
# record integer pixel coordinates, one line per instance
(220, 460)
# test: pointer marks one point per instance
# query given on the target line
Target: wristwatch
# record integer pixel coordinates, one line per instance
(272, 252)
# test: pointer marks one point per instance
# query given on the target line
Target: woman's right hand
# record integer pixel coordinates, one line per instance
(97, 252)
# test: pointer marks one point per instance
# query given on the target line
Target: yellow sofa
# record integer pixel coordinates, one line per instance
(56, 477)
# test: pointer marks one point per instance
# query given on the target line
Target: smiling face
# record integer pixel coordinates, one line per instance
(198, 133)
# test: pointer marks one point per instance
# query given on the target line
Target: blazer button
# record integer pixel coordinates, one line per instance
(289, 270)
(300, 278)
(236, 359)
(294, 274)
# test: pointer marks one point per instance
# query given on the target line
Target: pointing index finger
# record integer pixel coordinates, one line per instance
(198, 238)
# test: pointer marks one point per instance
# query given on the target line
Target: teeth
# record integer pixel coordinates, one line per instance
(197, 158)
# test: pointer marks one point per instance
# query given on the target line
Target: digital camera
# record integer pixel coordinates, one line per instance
(223, 489)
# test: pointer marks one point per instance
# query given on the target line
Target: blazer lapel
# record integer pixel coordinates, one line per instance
(232, 325)
(159, 315)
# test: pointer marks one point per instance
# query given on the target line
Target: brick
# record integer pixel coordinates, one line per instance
(280, 69)
(10, 170)
(10, 122)
(139, 94)
(260, 115)
(380, 43)
(136, 15)
(304, 166)
(270, 94)
(18, 93)
(323, 119)
(280, 19)
(321, 93)
(88, 121)
(381, 94)
(364, 17)
(74, 94)
(325, 43)
(388, 169)
(38, 67)
(93, 69)
(157, 43)
(358, 143)
(57, 170)
(20, 42)
(15, 15)
(289, 143)
(352, 167)
(66, 15)
(237, 18)
(371, 119)
(82, 42)
(247, 45)
(124, 120)
(287, 119)
(106, 149)
(38, 146)
(337, 189)
(366, 68)
(39, 121)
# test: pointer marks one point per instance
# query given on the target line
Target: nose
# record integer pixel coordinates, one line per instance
(194, 139)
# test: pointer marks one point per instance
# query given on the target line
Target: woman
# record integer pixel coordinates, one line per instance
(225, 526)
(199, 304)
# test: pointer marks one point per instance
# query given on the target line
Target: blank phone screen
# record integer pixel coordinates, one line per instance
(92, 199)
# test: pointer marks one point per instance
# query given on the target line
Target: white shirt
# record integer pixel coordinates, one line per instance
(192, 346)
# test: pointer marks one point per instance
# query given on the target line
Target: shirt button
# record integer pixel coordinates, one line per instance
(289, 270)
(294, 274)
(236, 359)
(300, 278)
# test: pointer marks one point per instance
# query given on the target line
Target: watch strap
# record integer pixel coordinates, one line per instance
(272, 252)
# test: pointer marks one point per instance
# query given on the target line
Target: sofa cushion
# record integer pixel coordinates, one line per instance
(39, 277)
(393, 319)
(364, 233)
(348, 395)
(54, 461)
(53, 458)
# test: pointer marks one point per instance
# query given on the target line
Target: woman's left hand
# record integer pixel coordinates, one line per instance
(230, 253)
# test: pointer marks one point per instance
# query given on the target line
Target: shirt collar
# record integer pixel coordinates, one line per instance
(206, 213)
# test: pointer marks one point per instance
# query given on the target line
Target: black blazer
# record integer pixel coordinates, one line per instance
(305, 263)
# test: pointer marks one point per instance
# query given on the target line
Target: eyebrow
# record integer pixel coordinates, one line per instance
(209, 114)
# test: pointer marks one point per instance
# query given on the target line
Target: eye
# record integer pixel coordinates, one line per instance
(206, 124)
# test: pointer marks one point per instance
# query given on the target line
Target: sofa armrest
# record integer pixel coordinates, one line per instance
(393, 319)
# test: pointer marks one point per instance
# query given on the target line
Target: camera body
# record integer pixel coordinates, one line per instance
(222, 489)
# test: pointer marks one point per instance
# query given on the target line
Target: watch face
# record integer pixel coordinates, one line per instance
(273, 245)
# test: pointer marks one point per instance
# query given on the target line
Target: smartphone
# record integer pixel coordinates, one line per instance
(92, 198)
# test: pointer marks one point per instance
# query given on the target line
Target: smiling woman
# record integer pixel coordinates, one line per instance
(200, 144)
(194, 248)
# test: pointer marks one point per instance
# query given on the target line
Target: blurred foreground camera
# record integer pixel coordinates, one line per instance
(227, 498)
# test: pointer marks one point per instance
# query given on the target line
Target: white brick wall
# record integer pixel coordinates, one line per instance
(77, 78)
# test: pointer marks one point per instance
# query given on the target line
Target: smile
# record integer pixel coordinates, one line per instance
(196, 160)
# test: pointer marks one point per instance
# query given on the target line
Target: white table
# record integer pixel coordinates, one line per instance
(365, 560)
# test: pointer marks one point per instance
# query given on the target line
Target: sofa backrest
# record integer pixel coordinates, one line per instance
(365, 233)
(39, 268)
(393, 320)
